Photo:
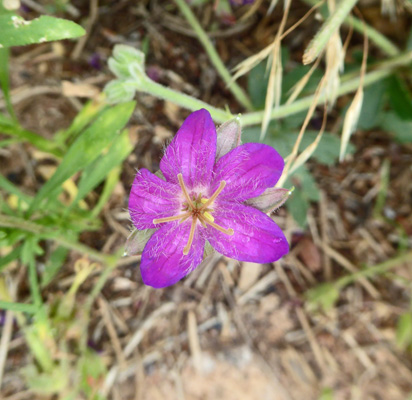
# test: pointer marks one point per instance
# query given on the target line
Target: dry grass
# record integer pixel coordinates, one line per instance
(231, 330)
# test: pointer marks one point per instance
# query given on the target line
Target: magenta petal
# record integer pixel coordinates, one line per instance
(151, 198)
(248, 170)
(192, 151)
(163, 263)
(256, 237)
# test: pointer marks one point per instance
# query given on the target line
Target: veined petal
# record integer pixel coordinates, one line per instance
(192, 151)
(248, 170)
(151, 198)
(163, 263)
(256, 237)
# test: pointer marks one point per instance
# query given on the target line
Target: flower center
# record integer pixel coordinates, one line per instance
(198, 209)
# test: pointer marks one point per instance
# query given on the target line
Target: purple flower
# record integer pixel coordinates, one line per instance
(211, 192)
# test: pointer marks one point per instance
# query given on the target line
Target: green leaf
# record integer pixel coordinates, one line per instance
(111, 182)
(4, 80)
(404, 331)
(9, 127)
(99, 168)
(13, 255)
(323, 296)
(373, 102)
(306, 190)
(21, 307)
(399, 128)
(326, 394)
(16, 31)
(327, 151)
(87, 148)
(86, 115)
(257, 85)
(400, 98)
(54, 264)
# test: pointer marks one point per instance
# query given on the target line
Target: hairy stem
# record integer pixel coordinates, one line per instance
(213, 55)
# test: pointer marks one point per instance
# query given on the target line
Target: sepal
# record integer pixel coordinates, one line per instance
(137, 240)
(271, 199)
(228, 137)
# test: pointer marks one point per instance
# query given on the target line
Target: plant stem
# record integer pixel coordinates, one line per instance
(375, 36)
(373, 270)
(348, 85)
(22, 307)
(34, 284)
(184, 100)
(213, 55)
(329, 27)
(28, 226)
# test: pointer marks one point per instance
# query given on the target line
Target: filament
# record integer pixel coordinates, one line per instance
(214, 195)
(191, 236)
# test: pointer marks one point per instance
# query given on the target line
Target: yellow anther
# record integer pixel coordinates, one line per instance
(208, 216)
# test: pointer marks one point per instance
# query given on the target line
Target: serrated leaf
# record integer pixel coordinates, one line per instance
(16, 31)
(87, 148)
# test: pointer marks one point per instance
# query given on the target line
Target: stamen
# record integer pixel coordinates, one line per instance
(174, 218)
(184, 190)
(229, 231)
(214, 195)
(191, 237)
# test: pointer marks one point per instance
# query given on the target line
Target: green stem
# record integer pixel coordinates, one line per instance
(371, 271)
(26, 308)
(34, 284)
(213, 55)
(375, 36)
(183, 100)
(348, 85)
(329, 27)
(350, 82)
(7, 221)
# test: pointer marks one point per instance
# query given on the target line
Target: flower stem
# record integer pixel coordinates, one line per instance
(373, 270)
(184, 100)
(213, 55)
(350, 82)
